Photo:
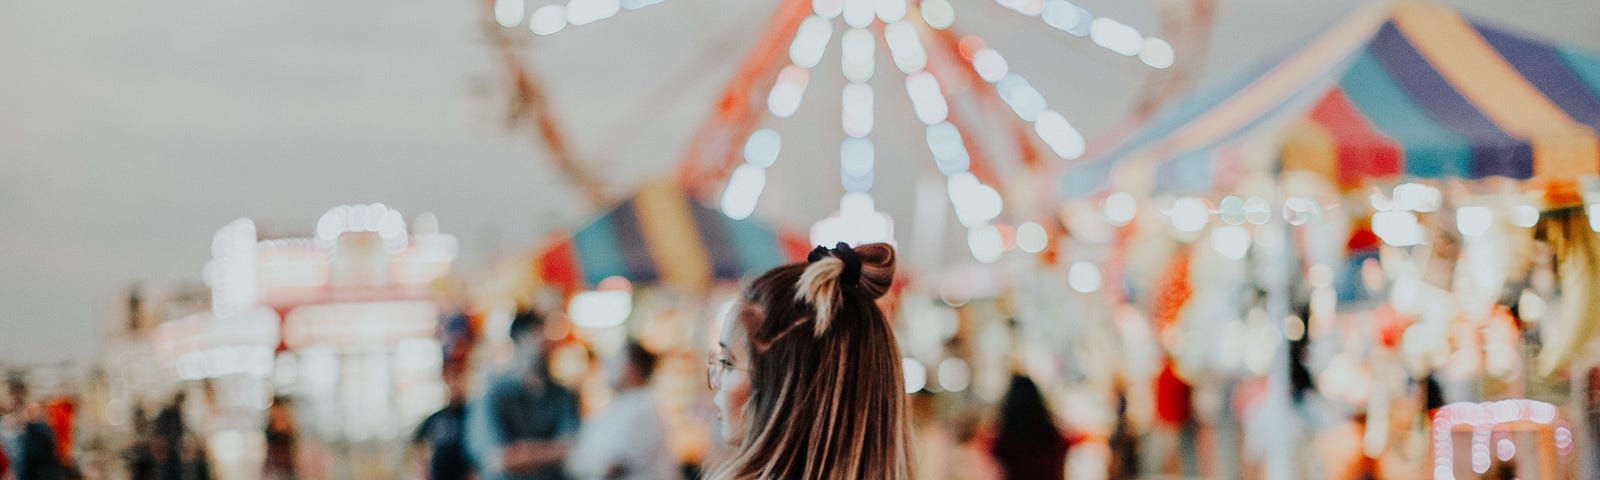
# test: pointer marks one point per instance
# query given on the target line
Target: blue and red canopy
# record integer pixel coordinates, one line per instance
(1412, 90)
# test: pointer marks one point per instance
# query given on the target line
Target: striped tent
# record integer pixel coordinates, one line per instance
(661, 236)
(1409, 90)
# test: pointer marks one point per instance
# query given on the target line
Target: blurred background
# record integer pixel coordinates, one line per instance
(315, 209)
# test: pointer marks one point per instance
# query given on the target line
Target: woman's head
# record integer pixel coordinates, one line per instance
(1024, 415)
(808, 383)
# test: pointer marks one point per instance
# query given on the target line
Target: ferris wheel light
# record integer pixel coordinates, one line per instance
(1021, 97)
(1066, 17)
(857, 54)
(938, 13)
(584, 12)
(906, 47)
(859, 13)
(762, 148)
(508, 13)
(1062, 138)
(855, 113)
(1116, 36)
(638, 4)
(743, 190)
(891, 11)
(990, 65)
(548, 20)
(944, 140)
(828, 9)
(856, 157)
(926, 98)
(810, 41)
(1025, 7)
(975, 204)
(1157, 53)
(784, 98)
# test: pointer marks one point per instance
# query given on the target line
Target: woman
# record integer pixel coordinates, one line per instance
(1028, 445)
(280, 463)
(807, 379)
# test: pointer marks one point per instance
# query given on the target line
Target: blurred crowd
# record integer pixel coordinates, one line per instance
(524, 425)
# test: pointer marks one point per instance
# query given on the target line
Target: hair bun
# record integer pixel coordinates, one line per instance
(877, 268)
(869, 269)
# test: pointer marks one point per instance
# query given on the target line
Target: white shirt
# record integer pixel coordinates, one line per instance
(627, 437)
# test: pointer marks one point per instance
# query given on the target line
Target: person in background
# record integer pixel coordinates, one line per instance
(140, 457)
(628, 440)
(178, 452)
(282, 461)
(1028, 445)
(443, 432)
(523, 426)
(807, 376)
(28, 443)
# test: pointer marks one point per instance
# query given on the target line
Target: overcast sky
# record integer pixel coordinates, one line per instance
(133, 130)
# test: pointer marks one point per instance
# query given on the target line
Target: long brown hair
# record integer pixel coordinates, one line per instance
(827, 397)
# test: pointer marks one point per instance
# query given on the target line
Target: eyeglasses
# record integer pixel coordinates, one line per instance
(717, 363)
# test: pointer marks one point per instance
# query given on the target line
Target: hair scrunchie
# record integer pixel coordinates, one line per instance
(851, 275)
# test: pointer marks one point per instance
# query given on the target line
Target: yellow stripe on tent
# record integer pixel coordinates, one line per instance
(1561, 146)
(671, 236)
(1310, 147)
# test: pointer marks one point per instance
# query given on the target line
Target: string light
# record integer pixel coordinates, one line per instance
(986, 243)
(1120, 208)
(1032, 238)
(1190, 214)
